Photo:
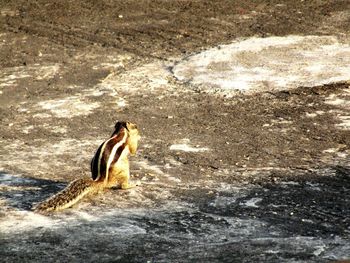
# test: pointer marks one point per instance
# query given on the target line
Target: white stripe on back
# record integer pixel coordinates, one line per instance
(113, 152)
(100, 157)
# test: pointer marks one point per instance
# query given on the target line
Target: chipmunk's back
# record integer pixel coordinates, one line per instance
(107, 155)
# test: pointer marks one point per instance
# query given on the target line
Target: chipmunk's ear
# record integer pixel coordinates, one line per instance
(131, 126)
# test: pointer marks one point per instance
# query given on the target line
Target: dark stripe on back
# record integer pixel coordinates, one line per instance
(118, 153)
(105, 155)
(94, 163)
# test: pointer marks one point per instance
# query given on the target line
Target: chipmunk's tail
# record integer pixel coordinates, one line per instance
(75, 191)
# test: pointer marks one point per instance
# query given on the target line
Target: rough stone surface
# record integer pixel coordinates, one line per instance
(261, 177)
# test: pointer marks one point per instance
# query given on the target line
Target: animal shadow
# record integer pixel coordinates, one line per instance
(23, 193)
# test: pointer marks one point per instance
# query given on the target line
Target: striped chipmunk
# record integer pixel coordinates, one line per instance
(109, 168)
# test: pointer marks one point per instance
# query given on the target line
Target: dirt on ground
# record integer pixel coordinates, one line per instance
(265, 176)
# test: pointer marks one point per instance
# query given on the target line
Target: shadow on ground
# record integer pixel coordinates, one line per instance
(22, 192)
(309, 205)
(303, 218)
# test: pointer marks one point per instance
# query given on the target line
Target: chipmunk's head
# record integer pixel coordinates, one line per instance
(134, 135)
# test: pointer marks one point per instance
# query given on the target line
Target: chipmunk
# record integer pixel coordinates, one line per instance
(109, 168)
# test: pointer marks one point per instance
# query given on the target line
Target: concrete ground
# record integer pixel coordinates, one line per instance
(243, 108)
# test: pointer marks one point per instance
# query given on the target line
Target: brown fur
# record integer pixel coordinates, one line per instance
(118, 175)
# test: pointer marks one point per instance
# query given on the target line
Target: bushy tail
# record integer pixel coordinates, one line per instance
(75, 191)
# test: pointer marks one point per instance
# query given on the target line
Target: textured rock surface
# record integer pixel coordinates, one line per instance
(226, 177)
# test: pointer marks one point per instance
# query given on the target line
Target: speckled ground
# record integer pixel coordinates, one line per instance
(227, 176)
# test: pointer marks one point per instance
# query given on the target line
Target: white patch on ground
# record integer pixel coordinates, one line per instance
(311, 115)
(223, 202)
(282, 121)
(187, 148)
(342, 104)
(95, 92)
(314, 114)
(345, 122)
(68, 107)
(148, 77)
(109, 65)
(49, 157)
(106, 88)
(155, 171)
(333, 99)
(9, 12)
(82, 103)
(46, 72)
(86, 216)
(146, 166)
(126, 229)
(54, 128)
(10, 76)
(21, 221)
(121, 103)
(27, 129)
(335, 155)
(171, 162)
(330, 150)
(337, 252)
(252, 202)
(184, 145)
(42, 115)
(287, 184)
(111, 62)
(314, 186)
(272, 63)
